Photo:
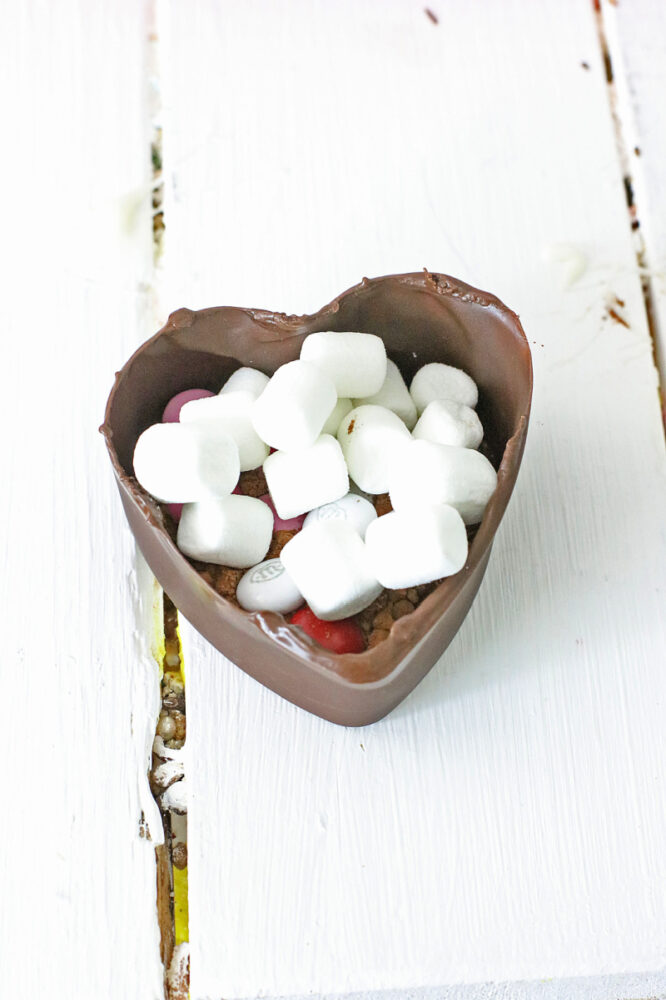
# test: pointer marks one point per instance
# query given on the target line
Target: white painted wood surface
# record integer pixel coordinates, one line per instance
(78, 917)
(506, 822)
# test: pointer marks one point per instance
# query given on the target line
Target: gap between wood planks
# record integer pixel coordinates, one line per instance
(167, 771)
(629, 152)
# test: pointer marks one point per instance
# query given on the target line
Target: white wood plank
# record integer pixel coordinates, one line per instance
(636, 36)
(80, 687)
(632, 987)
(506, 822)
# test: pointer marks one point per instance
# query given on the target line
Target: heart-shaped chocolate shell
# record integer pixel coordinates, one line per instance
(421, 317)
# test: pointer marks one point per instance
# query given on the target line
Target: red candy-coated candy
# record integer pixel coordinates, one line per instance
(344, 636)
(175, 509)
(172, 410)
(291, 524)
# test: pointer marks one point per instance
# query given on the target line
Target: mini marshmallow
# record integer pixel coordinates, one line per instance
(438, 381)
(233, 531)
(351, 508)
(301, 480)
(337, 415)
(268, 587)
(446, 422)
(329, 565)
(410, 547)
(233, 413)
(429, 473)
(294, 406)
(246, 380)
(394, 395)
(177, 463)
(356, 362)
(370, 438)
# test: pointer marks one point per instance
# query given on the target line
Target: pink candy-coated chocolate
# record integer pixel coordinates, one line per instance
(172, 410)
(291, 524)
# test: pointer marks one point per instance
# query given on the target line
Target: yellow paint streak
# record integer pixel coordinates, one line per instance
(180, 908)
(157, 646)
(180, 652)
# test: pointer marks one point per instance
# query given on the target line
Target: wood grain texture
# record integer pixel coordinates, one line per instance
(78, 916)
(636, 34)
(506, 822)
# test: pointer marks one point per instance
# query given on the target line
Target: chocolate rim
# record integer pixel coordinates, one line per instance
(274, 329)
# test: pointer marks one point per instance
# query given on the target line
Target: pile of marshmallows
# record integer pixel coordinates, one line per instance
(343, 410)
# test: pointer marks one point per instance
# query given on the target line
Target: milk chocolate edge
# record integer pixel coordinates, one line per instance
(274, 331)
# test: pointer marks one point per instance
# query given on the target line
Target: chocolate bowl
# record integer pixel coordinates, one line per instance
(421, 317)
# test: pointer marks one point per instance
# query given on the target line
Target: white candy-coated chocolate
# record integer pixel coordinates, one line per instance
(246, 380)
(337, 414)
(394, 395)
(233, 531)
(371, 438)
(232, 411)
(447, 422)
(268, 587)
(328, 563)
(179, 463)
(440, 381)
(413, 546)
(299, 481)
(356, 362)
(294, 406)
(429, 473)
(353, 509)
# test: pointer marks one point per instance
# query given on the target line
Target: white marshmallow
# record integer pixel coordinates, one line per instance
(438, 381)
(294, 406)
(268, 587)
(329, 565)
(356, 362)
(233, 413)
(411, 547)
(446, 422)
(353, 509)
(394, 395)
(301, 480)
(429, 473)
(337, 415)
(370, 438)
(246, 380)
(232, 531)
(177, 463)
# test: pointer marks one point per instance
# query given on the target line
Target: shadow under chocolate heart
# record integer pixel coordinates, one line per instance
(421, 317)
